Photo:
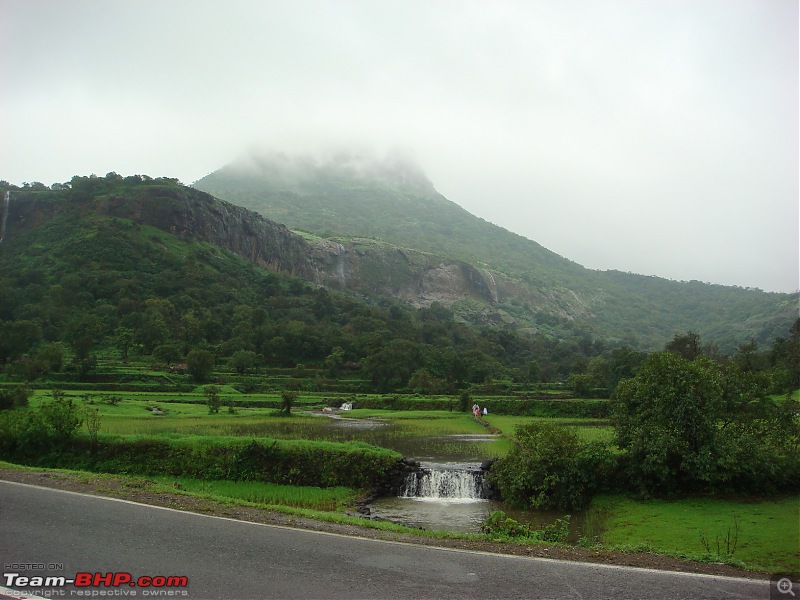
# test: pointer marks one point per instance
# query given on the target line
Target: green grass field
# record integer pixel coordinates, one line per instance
(133, 415)
(589, 430)
(152, 413)
(270, 494)
(768, 537)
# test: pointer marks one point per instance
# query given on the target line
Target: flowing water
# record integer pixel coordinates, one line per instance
(453, 483)
(451, 496)
(444, 496)
(449, 493)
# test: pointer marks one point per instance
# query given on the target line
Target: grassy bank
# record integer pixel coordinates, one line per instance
(268, 494)
(767, 539)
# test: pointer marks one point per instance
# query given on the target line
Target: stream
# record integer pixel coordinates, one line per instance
(449, 494)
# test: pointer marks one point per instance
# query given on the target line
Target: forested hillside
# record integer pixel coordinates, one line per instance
(125, 266)
(349, 199)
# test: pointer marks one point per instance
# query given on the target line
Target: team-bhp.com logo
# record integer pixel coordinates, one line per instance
(97, 580)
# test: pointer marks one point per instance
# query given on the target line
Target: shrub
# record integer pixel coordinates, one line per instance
(25, 432)
(61, 417)
(550, 467)
(498, 524)
(15, 396)
(288, 398)
(213, 400)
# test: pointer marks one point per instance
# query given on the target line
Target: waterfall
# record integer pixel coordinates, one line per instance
(6, 200)
(445, 484)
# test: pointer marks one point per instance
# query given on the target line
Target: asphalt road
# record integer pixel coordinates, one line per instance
(46, 532)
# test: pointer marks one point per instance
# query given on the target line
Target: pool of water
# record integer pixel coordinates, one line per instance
(464, 516)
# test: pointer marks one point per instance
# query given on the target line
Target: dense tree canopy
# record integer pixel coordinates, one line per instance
(700, 425)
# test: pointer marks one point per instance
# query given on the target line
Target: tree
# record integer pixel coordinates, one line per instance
(686, 345)
(747, 357)
(422, 382)
(288, 398)
(84, 333)
(52, 353)
(785, 355)
(623, 364)
(243, 360)
(534, 373)
(278, 348)
(464, 401)
(392, 366)
(84, 364)
(334, 362)
(123, 340)
(168, 353)
(696, 425)
(17, 337)
(61, 417)
(582, 384)
(30, 369)
(92, 419)
(190, 329)
(200, 364)
(211, 392)
(153, 327)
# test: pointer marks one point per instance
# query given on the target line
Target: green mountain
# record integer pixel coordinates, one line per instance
(103, 266)
(389, 210)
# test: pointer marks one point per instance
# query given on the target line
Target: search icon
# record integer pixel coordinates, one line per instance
(784, 586)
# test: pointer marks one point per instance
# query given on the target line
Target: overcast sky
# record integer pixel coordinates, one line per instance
(652, 136)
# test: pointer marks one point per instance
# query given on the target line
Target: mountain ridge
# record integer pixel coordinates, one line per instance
(349, 204)
(643, 312)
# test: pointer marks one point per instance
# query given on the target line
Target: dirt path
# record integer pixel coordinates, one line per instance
(136, 491)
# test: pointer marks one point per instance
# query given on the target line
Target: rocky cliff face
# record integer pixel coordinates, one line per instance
(200, 216)
(415, 277)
